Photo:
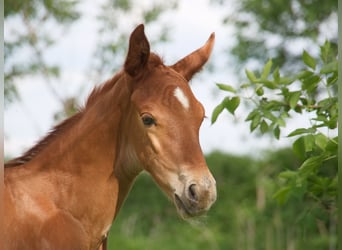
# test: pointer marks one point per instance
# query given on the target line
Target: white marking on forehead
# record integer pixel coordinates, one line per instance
(179, 94)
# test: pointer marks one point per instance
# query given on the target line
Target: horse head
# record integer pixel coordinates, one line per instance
(166, 123)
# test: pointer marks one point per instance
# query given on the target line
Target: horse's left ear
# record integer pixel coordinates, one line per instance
(193, 62)
(138, 52)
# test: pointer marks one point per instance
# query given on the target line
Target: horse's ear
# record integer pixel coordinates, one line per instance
(138, 52)
(193, 62)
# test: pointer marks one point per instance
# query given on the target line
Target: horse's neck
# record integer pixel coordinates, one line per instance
(86, 167)
(92, 142)
(96, 150)
(87, 148)
(116, 146)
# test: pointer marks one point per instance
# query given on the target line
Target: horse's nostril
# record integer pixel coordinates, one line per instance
(193, 192)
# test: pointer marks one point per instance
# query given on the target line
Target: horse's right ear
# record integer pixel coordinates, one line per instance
(138, 52)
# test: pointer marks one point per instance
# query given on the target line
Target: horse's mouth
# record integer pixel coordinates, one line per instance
(184, 210)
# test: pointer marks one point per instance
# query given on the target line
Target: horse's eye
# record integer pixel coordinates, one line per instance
(148, 120)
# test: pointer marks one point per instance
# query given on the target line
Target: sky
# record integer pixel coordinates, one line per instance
(31, 118)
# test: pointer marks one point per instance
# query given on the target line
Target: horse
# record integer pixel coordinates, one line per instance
(65, 192)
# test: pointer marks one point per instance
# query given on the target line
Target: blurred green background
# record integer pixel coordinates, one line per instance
(245, 216)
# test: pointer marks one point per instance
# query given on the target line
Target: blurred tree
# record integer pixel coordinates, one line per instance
(274, 95)
(272, 101)
(274, 29)
(28, 35)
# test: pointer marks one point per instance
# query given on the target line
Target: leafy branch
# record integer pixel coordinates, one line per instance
(275, 99)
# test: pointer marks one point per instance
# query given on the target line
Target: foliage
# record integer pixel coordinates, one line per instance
(244, 216)
(273, 29)
(311, 92)
(30, 35)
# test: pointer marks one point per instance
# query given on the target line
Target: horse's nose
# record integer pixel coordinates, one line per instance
(193, 193)
(197, 197)
(202, 193)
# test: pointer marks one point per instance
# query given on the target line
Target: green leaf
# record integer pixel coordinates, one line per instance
(259, 90)
(245, 85)
(325, 51)
(304, 101)
(268, 114)
(288, 174)
(267, 69)
(311, 164)
(250, 75)
(252, 114)
(286, 80)
(231, 104)
(276, 132)
(298, 109)
(309, 60)
(294, 98)
(281, 122)
(217, 111)
(284, 115)
(263, 127)
(226, 87)
(303, 145)
(310, 83)
(282, 195)
(332, 146)
(332, 79)
(255, 122)
(276, 76)
(267, 83)
(304, 74)
(309, 143)
(300, 131)
(321, 141)
(329, 68)
(299, 148)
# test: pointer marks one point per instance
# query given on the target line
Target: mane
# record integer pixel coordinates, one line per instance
(154, 61)
(63, 126)
(32, 152)
(101, 89)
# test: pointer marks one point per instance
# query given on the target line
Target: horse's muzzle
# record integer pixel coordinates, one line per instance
(197, 198)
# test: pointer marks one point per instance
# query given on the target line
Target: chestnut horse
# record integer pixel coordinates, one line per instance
(65, 192)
